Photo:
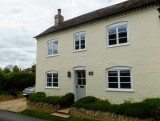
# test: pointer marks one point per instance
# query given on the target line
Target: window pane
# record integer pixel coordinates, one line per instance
(82, 46)
(49, 80)
(123, 34)
(80, 81)
(112, 73)
(84, 74)
(82, 42)
(84, 81)
(55, 52)
(49, 75)
(49, 84)
(125, 85)
(112, 31)
(76, 38)
(125, 73)
(113, 85)
(113, 36)
(122, 28)
(125, 79)
(122, 40)
(55, 75)
(55, 80)
(82, 37)
(55, 84)
(77, 47)
(112, 79)
(76, 43)
(112, 42)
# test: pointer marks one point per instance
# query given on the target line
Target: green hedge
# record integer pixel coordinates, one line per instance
(144, 109)
(63, 101)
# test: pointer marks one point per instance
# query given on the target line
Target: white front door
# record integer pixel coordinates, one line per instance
(80, 79)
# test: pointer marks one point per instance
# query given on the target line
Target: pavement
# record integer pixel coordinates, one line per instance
(16, 105)
(11, 116)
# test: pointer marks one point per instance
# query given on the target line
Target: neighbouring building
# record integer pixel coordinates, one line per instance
(112, 53)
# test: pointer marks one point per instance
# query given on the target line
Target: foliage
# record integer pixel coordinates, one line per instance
(67, 100)
(1, 80)
(144, 109)
(19, 80)
(47, 116)
(63, 101)
(37, 97)
(16, 69)
(34, 69)
(6, 70)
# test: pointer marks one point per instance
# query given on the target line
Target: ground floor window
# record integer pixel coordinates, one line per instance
(52, 79)
(119, 78)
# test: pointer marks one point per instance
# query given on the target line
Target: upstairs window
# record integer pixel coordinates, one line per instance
(52, 47)
(119, 78)
(52, 79)
(79, 42)
(117, 34)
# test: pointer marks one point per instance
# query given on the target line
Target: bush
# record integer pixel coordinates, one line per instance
(37, 97)
(19, 80)
(63, 101)
(144, 109)
(67, 100)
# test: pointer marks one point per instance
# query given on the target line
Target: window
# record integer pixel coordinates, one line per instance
(52, 47)
(52, 79)
(119, 78)
(79, 41)
(117, 34)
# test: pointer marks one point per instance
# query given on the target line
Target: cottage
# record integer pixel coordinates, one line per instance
(112, 53)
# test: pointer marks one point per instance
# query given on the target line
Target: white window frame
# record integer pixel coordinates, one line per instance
(119, 68)
(80, 33)
(52, 72)
(52, 41)
(117, 39)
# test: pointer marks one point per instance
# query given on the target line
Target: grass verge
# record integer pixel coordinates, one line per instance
(47, 116)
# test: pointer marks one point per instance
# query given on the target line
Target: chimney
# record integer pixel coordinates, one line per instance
(58, 18)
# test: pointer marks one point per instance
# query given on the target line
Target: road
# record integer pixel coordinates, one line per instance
(11, 116)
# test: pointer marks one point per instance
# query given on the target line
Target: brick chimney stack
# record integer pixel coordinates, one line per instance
(58, 18)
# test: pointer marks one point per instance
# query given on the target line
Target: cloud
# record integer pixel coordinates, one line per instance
(21, 20)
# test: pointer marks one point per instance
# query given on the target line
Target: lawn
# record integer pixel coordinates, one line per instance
(47, 116)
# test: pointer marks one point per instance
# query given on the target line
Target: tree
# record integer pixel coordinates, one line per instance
(16, 69)
(1, 71)
(6, 70)
(34, 69)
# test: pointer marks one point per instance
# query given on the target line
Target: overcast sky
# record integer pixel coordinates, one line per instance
(21, 20)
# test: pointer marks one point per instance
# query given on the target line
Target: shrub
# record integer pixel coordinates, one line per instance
(63, 101)
(38, 97)
(67, 100)
(19, 80)
(54, 100)
(144, 109)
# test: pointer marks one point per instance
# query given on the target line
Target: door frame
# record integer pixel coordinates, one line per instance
(78, 68)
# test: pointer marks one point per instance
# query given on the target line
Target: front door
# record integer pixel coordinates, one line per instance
(80, 83)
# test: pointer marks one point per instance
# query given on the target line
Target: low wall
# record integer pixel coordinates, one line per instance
(42, 107)
(101, 116)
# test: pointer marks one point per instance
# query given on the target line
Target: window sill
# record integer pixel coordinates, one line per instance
(52, 87)
(118, 45)
(120, 90)
(79, 50)
(52, 55)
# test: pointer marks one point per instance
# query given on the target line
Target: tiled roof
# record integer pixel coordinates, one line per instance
(98, 14)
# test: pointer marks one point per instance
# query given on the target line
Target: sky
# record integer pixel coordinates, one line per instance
(21, 20)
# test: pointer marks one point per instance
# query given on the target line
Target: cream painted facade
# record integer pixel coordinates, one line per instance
(142, 54)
